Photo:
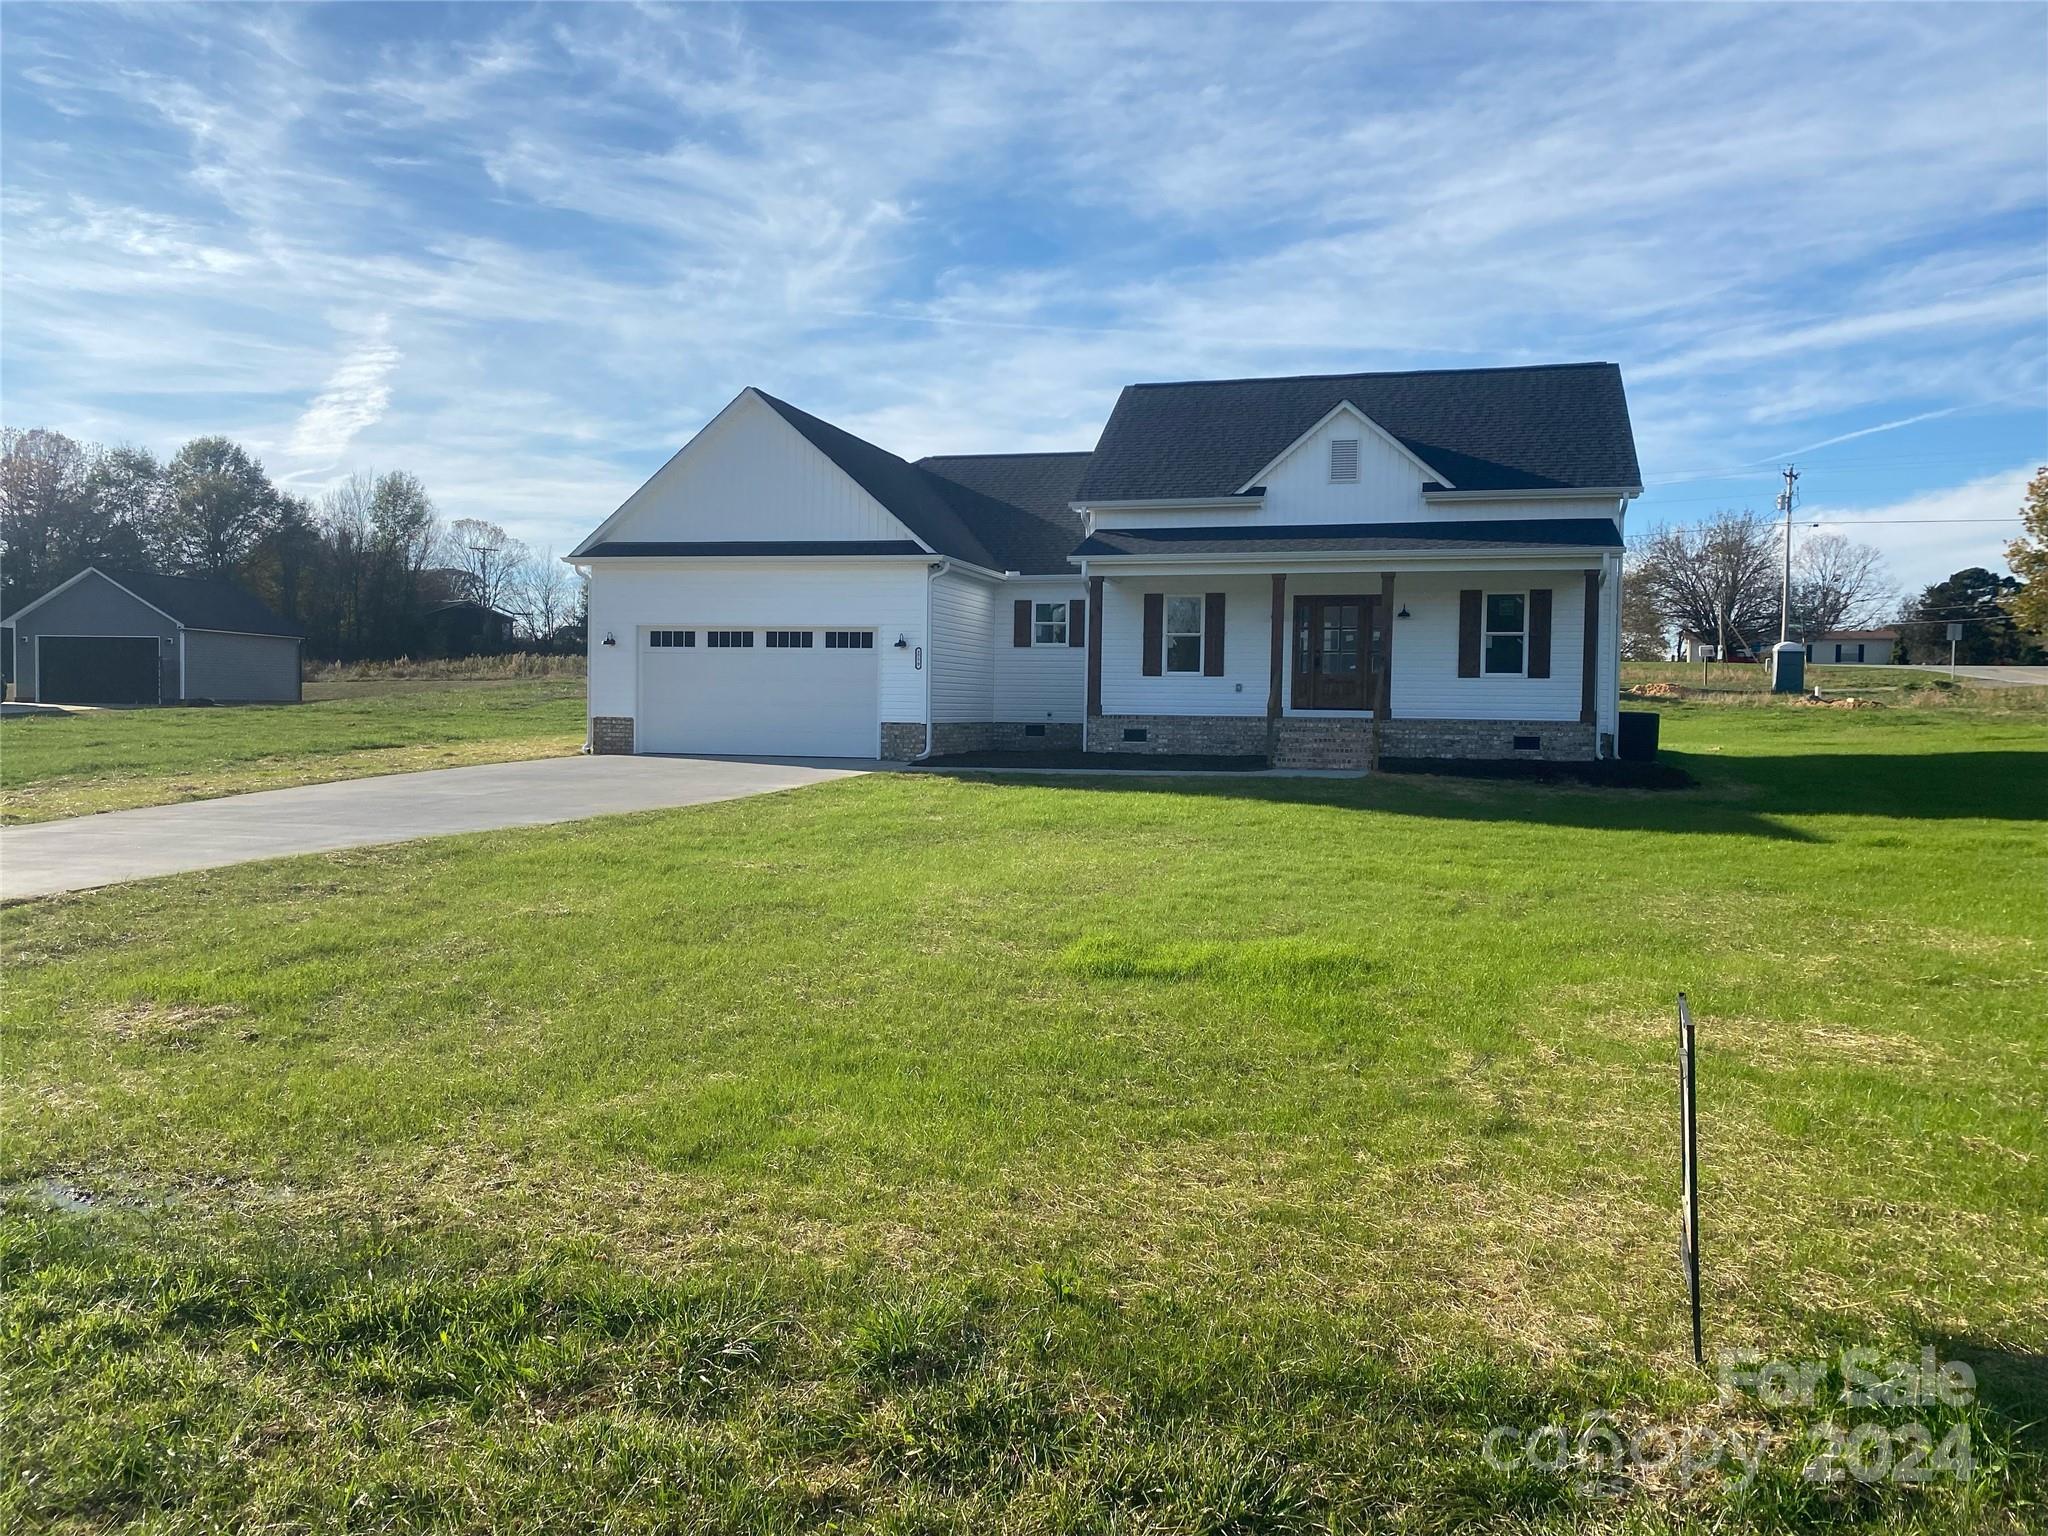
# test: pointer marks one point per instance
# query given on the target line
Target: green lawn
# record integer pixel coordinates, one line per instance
(913, 1153)
(110, 760)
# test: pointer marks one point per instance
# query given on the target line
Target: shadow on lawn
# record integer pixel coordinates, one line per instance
(1738, 796)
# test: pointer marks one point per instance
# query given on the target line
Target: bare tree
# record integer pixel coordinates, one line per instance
(545, 594)
(1838, 584)
(1715, 578)
(489, 559)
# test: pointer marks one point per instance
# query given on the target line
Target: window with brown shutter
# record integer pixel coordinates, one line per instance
(1020, 622)
(1539, 631)
(1154, 658)
(1077, 623)
(1468, 632)
(1212, 635)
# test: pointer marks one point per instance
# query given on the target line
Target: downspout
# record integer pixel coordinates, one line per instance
(931, 726)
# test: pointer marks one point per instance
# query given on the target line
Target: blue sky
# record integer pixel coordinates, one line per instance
(527, 251)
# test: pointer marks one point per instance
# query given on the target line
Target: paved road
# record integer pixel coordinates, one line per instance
(2008, 677)
(87, 851)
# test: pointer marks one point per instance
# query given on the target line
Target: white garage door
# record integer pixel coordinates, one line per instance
(759, 692)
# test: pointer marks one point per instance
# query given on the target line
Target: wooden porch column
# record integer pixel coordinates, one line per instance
(1095, 622)
(1279, 665)
(1383, 696)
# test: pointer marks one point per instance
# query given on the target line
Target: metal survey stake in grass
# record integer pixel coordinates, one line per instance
(1689, 1162)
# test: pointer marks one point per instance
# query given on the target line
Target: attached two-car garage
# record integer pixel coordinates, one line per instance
(758, 692)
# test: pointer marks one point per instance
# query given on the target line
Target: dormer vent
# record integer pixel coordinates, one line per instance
(1343, 459)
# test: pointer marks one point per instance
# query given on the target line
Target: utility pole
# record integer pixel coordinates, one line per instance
(1788, 661)
(1785, 500)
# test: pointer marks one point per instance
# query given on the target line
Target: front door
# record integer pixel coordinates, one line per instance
(1333, 642)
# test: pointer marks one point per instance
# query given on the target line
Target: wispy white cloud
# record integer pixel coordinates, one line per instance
(1932, 535)
(355, 399)
(966, 228)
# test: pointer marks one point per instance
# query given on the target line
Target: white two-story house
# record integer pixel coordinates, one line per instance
(1247, 567)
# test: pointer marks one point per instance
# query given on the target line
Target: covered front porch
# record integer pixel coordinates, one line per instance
(1315, 663)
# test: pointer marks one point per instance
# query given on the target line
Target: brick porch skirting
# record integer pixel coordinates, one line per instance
(951, 736)
(612, 735)
(1224, 735)
(1557, 741)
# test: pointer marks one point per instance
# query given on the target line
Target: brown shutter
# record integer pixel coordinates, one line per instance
(1539, 632)
(1212, 635)
(1588, 690)
(1468, 632)
(1020, 622)
(1155, 634)
(1077, 623)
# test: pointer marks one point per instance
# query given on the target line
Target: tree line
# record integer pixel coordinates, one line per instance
(1723, 580)
(368, 570)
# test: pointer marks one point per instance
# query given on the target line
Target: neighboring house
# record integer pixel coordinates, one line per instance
(1248, 566)
(464, 628)
(1853, 646)
(119, 637)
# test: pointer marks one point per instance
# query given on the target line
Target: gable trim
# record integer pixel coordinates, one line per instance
(91, 570)
(598, 536)
(1341, 408)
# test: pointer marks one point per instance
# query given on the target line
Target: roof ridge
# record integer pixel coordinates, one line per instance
(1369, 373)
(1036, 453)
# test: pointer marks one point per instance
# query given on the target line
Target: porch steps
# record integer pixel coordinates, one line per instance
(1328, 744)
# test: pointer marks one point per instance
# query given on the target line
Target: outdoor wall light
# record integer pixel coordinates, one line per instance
(1403, 613)
(611, 639)
(902, 644)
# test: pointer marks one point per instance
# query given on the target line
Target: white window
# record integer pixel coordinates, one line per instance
(1184, 634)
(1507, 632)
(1048, 623)
(1343, 458)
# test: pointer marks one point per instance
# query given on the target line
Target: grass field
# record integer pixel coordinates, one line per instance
(915, 1153)
(110, 760)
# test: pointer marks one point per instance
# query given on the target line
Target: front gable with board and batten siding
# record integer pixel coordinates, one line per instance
(750, 477)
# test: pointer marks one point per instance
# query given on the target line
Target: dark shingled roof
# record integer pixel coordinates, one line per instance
(1037, 527)
(1389, 538)
(613, 549)
(917, 500)
(197, 603)
(1558, 427)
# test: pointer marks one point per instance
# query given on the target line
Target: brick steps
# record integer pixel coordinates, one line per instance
(1339, 745)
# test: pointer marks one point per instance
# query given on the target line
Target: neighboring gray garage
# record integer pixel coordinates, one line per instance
(122, 637)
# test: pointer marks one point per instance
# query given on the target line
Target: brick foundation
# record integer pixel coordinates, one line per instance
(902, 740)
(1223, 735)
(1560, 741)
(611, 735)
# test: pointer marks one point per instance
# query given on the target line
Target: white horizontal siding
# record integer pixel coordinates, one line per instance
(1426, 684)
(751, 475)
(1247, 640)
(963, 616)
(1038, 682)
(888, 598)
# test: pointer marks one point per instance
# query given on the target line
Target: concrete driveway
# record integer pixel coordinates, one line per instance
(76, 855)
(1997, 677)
